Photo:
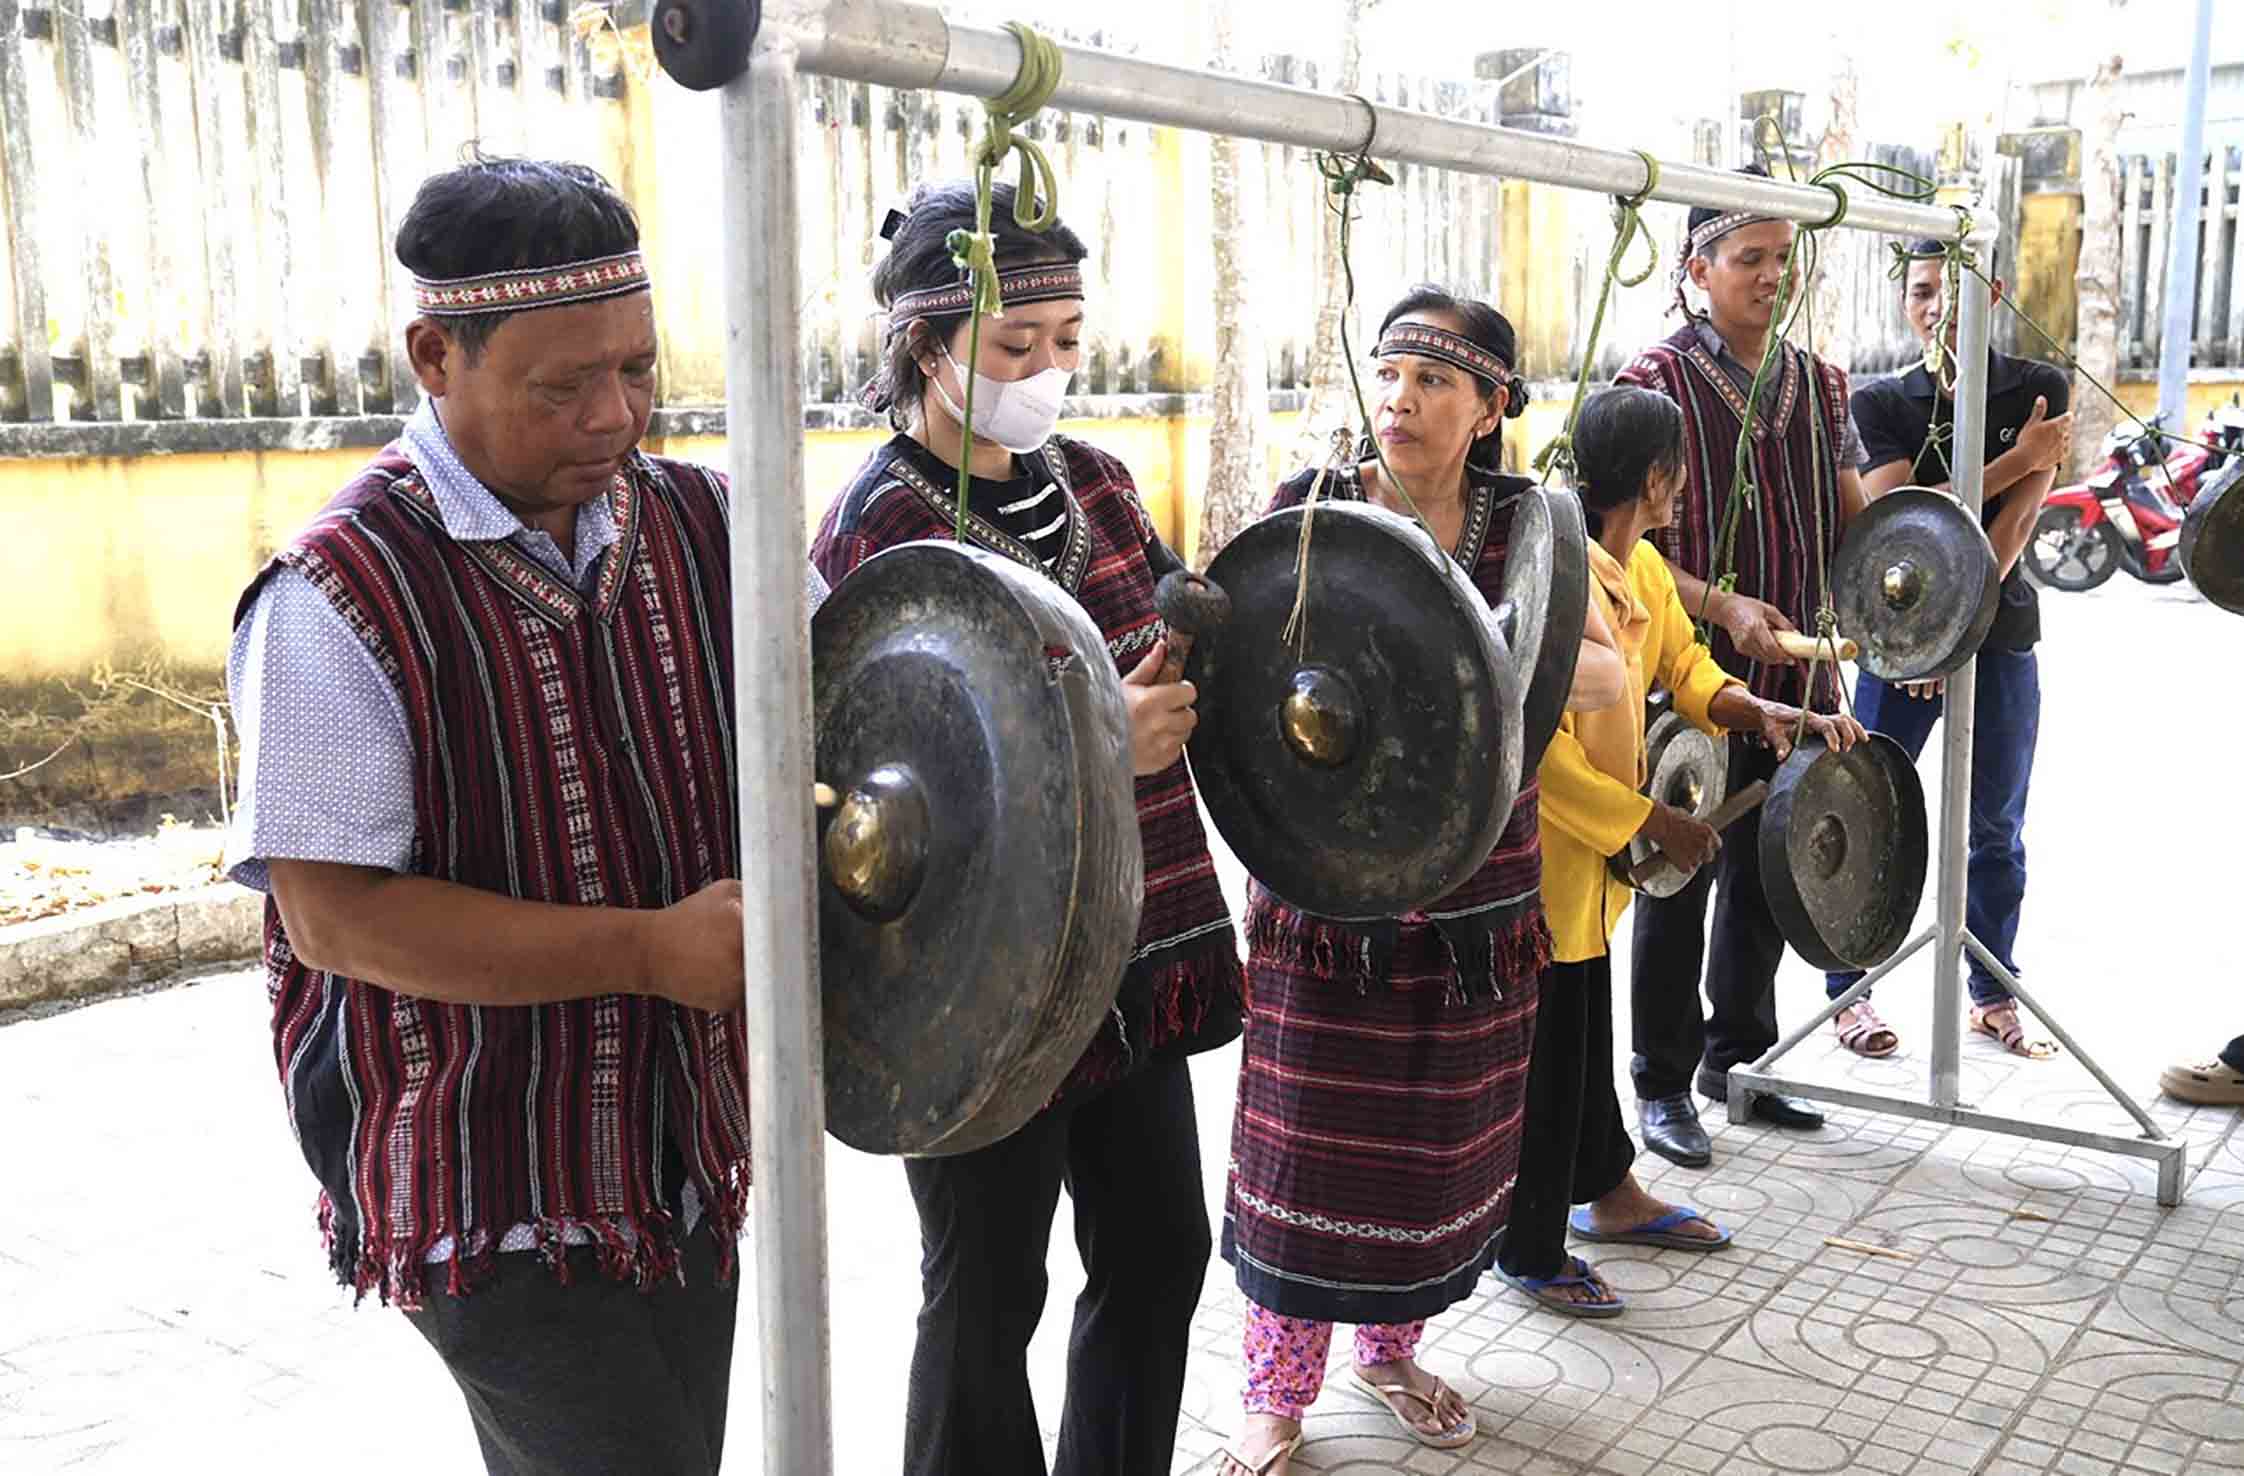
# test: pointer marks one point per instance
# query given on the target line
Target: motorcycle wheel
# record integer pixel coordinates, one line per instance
(2063, 555)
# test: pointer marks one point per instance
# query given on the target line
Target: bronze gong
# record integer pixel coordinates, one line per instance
(2212, 546)
(1844, 842)
(980, 872)
(1365, 767)
(1915, 585)
(1544, 607)
(1687, 770)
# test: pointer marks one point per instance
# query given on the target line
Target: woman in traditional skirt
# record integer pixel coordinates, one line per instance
(1378, 1117)
(1628, 449)
(1120, 1133)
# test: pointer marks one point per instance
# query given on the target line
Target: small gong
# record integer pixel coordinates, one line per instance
(1685, 769)
(1844, 842)
(1914, 581)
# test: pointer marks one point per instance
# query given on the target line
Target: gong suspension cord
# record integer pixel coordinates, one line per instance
(1036, 205)
(1628, 227)
(1344, 175)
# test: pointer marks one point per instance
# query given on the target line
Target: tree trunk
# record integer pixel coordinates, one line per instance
(2097, 281)
(1832, 321)
(1329, 403)
(1238, 466)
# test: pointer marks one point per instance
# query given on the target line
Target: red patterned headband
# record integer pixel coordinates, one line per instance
(1427, 341)
(1047, 283)
(531, 287)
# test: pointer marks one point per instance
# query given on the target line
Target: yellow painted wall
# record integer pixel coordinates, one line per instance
(2141, 396)
(2048, 258)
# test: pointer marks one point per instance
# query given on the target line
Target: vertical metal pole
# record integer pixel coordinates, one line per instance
(771, 675)
(2180, 333)
(1968, 457)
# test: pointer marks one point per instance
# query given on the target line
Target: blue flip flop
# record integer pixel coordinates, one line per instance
(1578, 1274)
(1662, 1232)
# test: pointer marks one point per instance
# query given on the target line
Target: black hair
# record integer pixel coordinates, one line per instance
(1626, 434)
(1925, 248)
(919, 257)
(499, 214)
(1487, 328)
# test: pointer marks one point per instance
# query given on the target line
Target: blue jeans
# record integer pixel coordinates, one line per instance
(2005, 725)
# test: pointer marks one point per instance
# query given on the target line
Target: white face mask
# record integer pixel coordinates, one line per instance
(1018, 414)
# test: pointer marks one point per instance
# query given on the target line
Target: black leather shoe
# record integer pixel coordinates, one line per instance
(1787, 1112)
(1671, 1129)
(1783, 1112)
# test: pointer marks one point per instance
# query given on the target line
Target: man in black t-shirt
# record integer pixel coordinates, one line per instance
(1907, 427)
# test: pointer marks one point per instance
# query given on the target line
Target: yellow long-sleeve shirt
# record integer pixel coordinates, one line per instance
(1594, 770)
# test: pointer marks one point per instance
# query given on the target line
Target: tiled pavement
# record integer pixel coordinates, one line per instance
(164, 1306)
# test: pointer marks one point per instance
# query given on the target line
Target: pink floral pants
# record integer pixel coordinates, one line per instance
(1286, 1357)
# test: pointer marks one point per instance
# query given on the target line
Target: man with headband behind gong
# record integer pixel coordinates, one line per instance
(485, 704)
(1802, 462)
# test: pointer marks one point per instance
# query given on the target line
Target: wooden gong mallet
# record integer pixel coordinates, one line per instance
(1191, 607)
(1726, 814)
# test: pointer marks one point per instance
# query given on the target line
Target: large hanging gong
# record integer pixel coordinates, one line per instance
(981, 876)
(1844, 843)
(1366, 767)
(2212, 546)
(1915, 584)
(1687, 770)
(1544, 607)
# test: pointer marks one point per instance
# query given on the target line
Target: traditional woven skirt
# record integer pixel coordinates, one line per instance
(1376, 1135)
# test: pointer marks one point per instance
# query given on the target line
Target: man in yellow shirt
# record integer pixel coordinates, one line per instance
(1575, 1145)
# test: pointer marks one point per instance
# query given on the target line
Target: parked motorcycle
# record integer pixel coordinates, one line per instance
(2128, 514)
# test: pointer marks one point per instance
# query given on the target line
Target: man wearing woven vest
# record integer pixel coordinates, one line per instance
(485, 704)
(1801, 461)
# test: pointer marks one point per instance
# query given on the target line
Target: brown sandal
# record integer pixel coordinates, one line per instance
(1863, 1034)
(2013, 1035)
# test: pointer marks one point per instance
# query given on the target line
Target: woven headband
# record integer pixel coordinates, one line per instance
(531, 287)
(1427, 341)
(1715, 229)
(1022, 285)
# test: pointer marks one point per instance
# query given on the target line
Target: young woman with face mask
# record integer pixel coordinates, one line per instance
(1379, 1109)
(1121, 1132)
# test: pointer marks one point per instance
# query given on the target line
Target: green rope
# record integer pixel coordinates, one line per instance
(1343, 177)
(1036, 205)
(1628, 226)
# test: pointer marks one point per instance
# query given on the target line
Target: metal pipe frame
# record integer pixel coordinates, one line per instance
(899, 44)
(1746, 1083)
(771, 702)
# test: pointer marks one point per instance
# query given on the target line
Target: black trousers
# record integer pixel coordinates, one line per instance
(1574, 1146)
(594, 1377)
(1671, 1038)
(1130, 1158)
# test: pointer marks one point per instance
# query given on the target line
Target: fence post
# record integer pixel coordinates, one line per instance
(35, 366)
(165, 395)
(99, 382)
(2233, 332)
(205, 73)
(281, 386)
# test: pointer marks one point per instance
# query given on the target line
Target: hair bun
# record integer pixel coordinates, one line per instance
(1516, 397)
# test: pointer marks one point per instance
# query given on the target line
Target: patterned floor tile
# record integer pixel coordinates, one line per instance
(2186, 1290)
(2121, 1407)
(1974, 1253)
(1736, 1413)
